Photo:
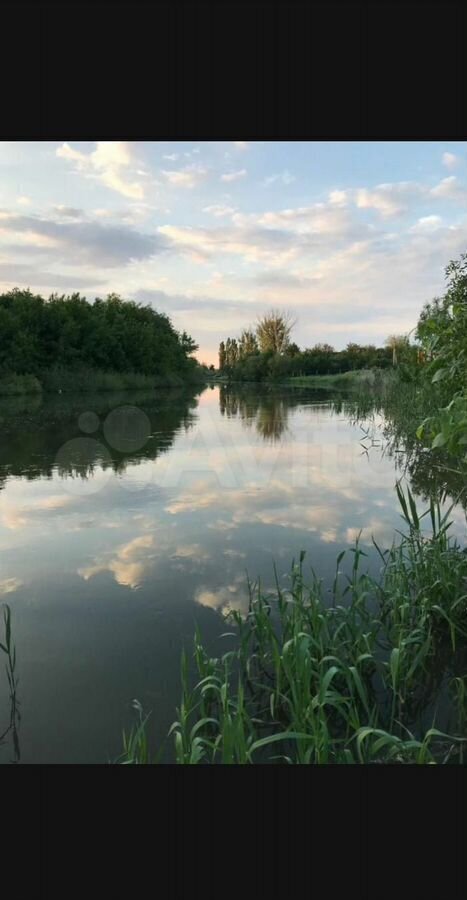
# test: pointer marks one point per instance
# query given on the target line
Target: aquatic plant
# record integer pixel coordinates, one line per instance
(9, 650)
(350, 677)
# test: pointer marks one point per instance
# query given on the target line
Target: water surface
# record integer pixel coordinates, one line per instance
(125, 520)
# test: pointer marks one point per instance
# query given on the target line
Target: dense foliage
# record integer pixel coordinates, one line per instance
(68, 332)
(442, 331)
(321, 359)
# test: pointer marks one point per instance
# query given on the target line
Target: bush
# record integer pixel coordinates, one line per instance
(13, 384)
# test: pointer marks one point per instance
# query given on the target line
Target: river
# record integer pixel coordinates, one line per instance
(126, 520)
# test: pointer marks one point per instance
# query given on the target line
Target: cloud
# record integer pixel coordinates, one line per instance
(225, 599)
(450, 160)
(23, 201)
(10, 585)
(251, 241)
(171, 156)
(70, 212)
(284, 177)
(234, 176)
(193, 302)
(387, 199)
(273, 278)
(16, 273)
(16, 515)
(219, 211)
(191, 551)
(427, 224)
(110, 163)
(320, 220)
(450, 189)
(242, 145)
(82, 242)
(128, 565)
(188, 177)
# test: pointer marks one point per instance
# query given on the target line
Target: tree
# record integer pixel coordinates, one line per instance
(292, 349)
(247, 343)
(396, 342)
(323, 348)
(221, 356)
(189, 346)
(112, 335)
(273, 331)
(442, 330)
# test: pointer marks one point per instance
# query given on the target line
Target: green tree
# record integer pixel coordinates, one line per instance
(221, 356)
(397, 343)
(442, 331)
(247, 343)
(273, 331)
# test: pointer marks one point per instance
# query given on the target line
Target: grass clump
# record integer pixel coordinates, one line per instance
(352, 677)
(17, 385)
(86, 380)
(376, 380)
(9, 651)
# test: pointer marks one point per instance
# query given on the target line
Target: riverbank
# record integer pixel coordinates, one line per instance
(91, 380)
(357, 378)
(365, 379)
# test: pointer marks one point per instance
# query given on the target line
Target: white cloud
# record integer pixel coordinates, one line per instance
(426, 224)
(218, 211)
(129, 564)
(110, 163)
(320, 221)
(234, 176)
(10, 585)
(188, 177)
(450, 189)
(224, 599)
(250, 241)
(338, 198)
(24, 201)
(387, 199)
(171, 156)
(242, 145)
(284, 177)
(450, 160)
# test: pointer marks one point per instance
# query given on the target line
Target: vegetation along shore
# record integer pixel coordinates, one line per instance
(66, 343)
(354, 675)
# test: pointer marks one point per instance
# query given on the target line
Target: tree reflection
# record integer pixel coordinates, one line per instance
(433, 475)
(43, 435)
(265, 410)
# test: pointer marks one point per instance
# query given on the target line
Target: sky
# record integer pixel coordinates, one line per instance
(350, 237)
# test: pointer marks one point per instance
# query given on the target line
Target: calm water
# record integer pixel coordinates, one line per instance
(127, 519)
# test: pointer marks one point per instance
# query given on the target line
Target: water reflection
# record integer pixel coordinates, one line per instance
(435, 476)
(40, 435)
(127, 519)
(265, 411)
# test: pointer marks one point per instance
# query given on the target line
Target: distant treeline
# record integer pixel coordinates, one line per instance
(266, 353)
(322, 359)
(66, 342)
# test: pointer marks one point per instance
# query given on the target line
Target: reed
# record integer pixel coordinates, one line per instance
(351, 677)
(9, 650)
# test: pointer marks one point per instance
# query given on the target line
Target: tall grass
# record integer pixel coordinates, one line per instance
(13, 385)
(9, 651)
(374, 380)
(352, 677)
(84, 379)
